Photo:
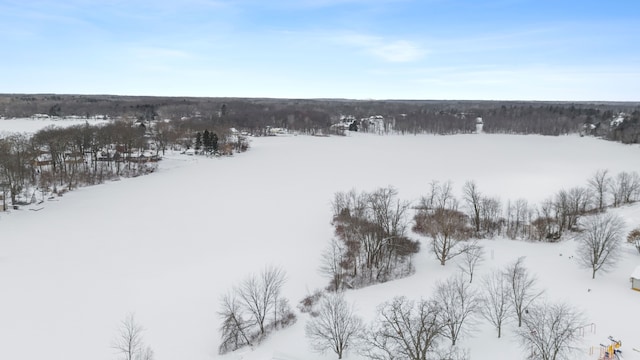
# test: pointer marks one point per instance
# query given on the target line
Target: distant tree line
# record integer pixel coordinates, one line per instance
(255, 116)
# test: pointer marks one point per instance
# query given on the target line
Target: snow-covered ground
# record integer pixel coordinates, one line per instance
(166, 246)
(32, 125)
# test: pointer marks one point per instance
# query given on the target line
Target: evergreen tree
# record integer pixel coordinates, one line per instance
(198, 141)
(206, 141)
(214, 141)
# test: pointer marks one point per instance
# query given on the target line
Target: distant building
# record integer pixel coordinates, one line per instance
(479, 125)
(635, 279)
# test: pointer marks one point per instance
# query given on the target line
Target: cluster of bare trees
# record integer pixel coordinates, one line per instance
(508, 294)
(546, 330)
(129, 343)
(429, 328)
(447, 221)
(439, 218)
(371, 243)
(58, 159)
(403, 328)
(65, 158)
(562, 212)
(252, 309)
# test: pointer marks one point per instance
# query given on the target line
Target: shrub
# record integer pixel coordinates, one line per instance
(634, 238)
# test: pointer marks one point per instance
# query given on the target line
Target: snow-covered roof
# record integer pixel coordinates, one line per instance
(636, 273)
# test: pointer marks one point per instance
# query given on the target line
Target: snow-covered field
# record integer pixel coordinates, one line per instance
(166, 246)
(31, 125)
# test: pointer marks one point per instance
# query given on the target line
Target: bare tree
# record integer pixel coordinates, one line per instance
(517, 214)
(16, 154)
(259, 294)
(405, 329)
(490, 217)
(446, 227)
(473, 200)
(472, 255)
(147, 354)
(331, 264)
(545, 226)
(551, 332)
(162, 135)
(129, 343)
(458, 303)
(599, 243)
(522, 288)
(599, 183)
(496, 305)
(235, 328)
(440, 196)
(389, 212)
(438, 217)
(625, 188)
(580, 199)
(335, 327)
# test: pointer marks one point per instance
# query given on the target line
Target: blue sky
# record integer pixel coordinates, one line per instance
(361, 49)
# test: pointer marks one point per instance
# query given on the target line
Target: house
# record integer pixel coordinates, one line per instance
(635, 279)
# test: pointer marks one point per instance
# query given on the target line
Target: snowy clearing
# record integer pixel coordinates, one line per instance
(166, 246)
(32, 125)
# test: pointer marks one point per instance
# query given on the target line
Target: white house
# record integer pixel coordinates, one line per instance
(635, 279)
(479, 125)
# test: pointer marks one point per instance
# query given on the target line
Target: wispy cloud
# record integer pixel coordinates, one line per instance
(389, 50)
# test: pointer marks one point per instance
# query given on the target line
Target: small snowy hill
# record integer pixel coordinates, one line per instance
(166, 246)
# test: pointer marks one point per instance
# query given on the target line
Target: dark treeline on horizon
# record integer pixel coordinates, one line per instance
(313, 115)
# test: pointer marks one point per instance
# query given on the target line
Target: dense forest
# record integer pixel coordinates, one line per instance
(617, 121)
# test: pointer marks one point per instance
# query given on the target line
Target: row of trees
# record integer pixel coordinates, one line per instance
(66, 158)
(430, 328)
(600, 233)
(59, 159)
(446, 219)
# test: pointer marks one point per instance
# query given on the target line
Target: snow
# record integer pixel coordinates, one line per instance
(32, 125)
(636, 273)
(166, 246)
